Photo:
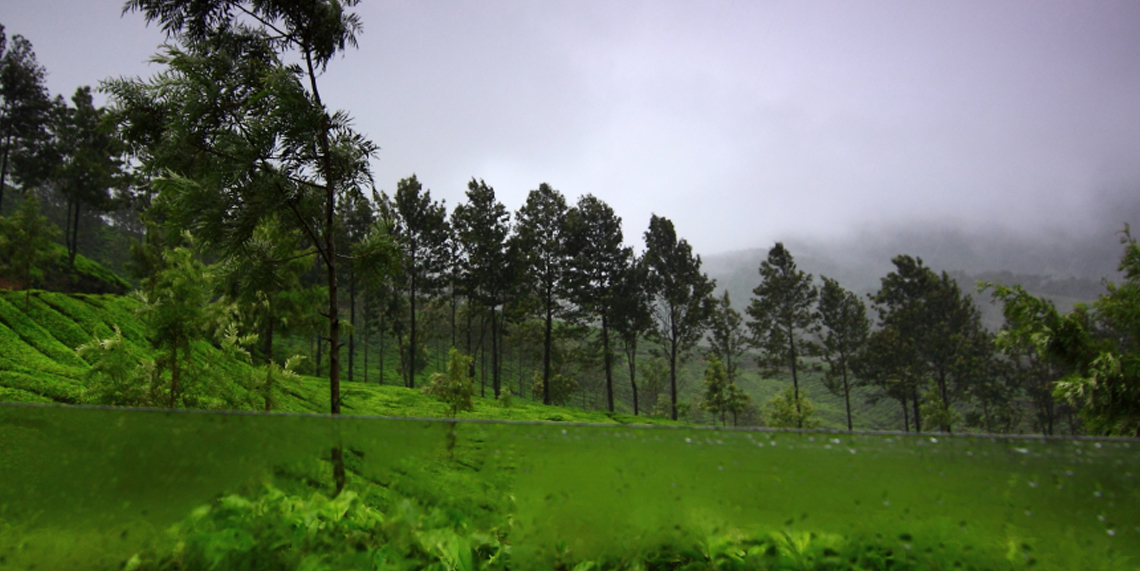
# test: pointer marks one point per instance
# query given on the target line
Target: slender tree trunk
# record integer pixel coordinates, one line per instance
(673, 376)
(4, 166)
(914, 404)
(607, 363)
(352, 321)
(906, 414)
(495, 379)
(795, 379)
(74, 238)
(631, 356)
(173, 375)
(547, 337)
(268, 363)
(380, 355)
(366, 323)
(470, 326)
(847, 396)
(453, 309)
(410, 381)
(330, 177)
(522, 393)
(67, 226)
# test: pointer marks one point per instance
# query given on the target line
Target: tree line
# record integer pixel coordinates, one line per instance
(258, 218)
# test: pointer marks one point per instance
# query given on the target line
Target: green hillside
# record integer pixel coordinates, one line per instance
(38, 364)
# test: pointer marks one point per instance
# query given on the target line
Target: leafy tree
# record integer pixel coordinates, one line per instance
(682, 296)
(632, 317)
(597, 263)
(176, 317)
(357, 226)
(422, 233)
(781, 316)
(715, 398)
(116, 376)
(244, 134)
(89, 162)
(26, 240)
(739, 403)
(1097, 346)
(786, 410)
(257, 381)
(721, 396)
(237, 129)
(887, 363)
(727, 341)
(455, 388)
(542, 245)
(482, 226)
(940, 328)
(843, 336)
(264, 284)
(24, 107)
(1026, 371)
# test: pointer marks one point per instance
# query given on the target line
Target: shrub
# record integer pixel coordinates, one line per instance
(455, 388)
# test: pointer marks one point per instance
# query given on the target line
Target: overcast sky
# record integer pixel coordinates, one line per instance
(743, 122)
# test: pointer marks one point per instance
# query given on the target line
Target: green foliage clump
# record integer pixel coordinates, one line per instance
(175, 310)
(456, 387)
(722, 396)
(1097, 347)
(784, 411)
(282, 531)
(937, 412)
(116, 376)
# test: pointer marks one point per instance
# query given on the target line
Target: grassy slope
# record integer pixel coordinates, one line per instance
(38, 364)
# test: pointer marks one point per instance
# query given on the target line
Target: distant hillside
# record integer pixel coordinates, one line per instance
(1066, 269)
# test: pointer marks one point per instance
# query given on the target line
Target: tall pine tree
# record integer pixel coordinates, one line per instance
(598, 261)
(682, 296)
(422, 234)
(541, 234)
(483, 225)
(843, 337)
(781, 316)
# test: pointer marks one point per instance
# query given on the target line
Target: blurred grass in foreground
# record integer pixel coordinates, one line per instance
(85, 488)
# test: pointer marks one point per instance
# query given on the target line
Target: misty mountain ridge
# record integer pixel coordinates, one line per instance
(1062, 266)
